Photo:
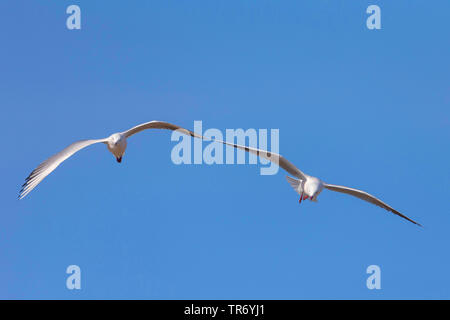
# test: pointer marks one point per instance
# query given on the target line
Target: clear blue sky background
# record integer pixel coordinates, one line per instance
(367, 109)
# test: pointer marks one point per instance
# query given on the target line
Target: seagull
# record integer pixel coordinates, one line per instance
(116, 144)
(309, 187)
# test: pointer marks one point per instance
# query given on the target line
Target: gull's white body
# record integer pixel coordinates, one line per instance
(312, 188)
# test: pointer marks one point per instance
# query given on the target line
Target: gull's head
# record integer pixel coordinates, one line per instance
(117, 144)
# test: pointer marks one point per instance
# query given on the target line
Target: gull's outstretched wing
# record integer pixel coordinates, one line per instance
(367, 197)
(46, 167)
(272, 157)
(159, 125)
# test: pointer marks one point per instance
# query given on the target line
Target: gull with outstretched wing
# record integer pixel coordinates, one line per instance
(309, 187)
(116, 143)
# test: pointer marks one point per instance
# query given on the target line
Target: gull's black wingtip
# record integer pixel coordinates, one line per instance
(416, 223)
(21, 193)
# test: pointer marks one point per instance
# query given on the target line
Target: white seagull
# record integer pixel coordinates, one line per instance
(309, 187)
(116, 143)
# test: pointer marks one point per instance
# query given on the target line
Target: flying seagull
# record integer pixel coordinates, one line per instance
(116, 143)
(309, 187)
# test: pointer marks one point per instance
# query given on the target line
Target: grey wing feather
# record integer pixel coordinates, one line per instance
(160, 125)
(294, 183)
(367, 197)
(46, 167)
(272, 157)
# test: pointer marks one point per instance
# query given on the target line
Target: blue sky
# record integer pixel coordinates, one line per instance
(358, 107)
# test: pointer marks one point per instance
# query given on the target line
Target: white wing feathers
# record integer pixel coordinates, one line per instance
(159, 125)
(294, 183)
(46, 167)
(272, 157)
(367, 197)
